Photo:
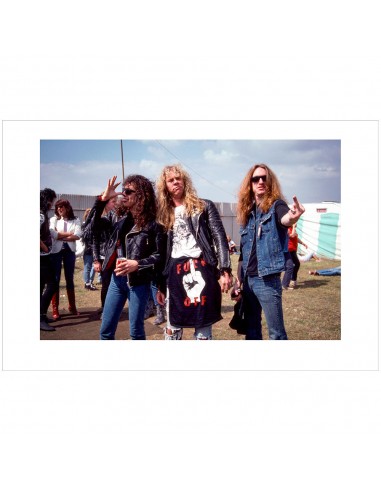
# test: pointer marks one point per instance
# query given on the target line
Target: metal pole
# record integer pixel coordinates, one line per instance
(121, 148)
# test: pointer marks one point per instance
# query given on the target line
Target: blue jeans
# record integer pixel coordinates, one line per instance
(88, 269)
(117, 294)
(154, 290)
(289, 270)
(264, 293)
(330, 271)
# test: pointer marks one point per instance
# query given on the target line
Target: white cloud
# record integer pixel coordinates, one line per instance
(222, 157)
(150, 168)
(309, 169)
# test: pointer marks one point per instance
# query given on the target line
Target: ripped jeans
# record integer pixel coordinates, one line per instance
(176, 333)
(172, 333)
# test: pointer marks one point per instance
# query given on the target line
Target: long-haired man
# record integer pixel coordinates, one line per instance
(134, 252)
(197, 262)
(264, 217)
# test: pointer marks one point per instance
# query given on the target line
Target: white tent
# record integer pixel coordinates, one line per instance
(320, 228)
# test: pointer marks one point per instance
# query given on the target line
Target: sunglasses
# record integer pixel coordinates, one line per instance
(256, 179)
(128, 191)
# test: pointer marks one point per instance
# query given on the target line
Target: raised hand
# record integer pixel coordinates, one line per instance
(110, 189)
(296, 208)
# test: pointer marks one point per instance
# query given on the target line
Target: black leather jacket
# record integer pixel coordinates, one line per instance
(210, 235)
(146, 246)
(101, 238)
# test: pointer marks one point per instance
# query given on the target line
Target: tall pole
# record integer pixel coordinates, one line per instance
(121, 148)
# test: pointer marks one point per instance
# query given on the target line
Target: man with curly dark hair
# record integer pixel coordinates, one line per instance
(135, 252)
(47, 277)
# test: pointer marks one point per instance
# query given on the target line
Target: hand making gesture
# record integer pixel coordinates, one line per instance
(297, 208)
(110, 190)
(292, 216)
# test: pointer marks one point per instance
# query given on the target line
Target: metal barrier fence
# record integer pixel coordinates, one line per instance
(227, 212)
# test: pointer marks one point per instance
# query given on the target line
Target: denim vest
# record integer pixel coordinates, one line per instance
(271, 243)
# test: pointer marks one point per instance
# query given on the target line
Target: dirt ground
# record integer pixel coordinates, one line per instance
(86, 327)
(311, 312)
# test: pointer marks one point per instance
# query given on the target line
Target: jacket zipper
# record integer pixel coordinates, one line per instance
(140, 267)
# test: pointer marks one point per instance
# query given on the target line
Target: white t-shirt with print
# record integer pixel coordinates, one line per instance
(184, 242)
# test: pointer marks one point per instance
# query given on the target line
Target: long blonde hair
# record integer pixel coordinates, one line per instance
(86, 214)
(165, 212)
(246, 195)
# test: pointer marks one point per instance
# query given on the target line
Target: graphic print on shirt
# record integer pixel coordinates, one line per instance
(184, 243)
(194, 293)
(194, 284)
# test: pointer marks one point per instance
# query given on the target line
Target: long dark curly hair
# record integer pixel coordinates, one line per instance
(69, 209)
(146, 205)
(47, 197)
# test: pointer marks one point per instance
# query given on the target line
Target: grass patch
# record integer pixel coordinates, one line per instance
(311, 311)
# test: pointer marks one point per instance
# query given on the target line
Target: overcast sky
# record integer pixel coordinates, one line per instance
(309, 169)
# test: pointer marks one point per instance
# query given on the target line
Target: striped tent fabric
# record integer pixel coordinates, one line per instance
(320, 228)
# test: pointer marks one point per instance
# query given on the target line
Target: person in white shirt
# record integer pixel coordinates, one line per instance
(198, 267)
(65, 230)
(232, 245)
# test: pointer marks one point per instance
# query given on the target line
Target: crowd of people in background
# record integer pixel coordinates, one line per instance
(164, 248)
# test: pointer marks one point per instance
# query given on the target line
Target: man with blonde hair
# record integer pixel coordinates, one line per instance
(197, 265)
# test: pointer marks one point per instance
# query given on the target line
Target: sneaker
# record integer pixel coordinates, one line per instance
(90, 286)
(293, 284)
(45, 327)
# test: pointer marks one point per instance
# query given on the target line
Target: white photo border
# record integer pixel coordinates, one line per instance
(358, 348)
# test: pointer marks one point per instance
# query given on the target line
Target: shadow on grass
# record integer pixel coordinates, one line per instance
(87, 316)
(227, 309)
(312, 284)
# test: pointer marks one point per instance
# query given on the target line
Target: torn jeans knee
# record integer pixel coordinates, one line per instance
(204, 333)
(171, 333)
